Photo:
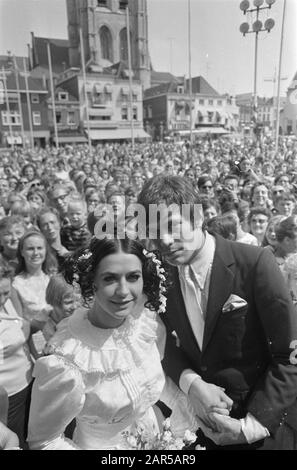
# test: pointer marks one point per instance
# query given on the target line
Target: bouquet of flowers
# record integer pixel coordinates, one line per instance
(165, 440)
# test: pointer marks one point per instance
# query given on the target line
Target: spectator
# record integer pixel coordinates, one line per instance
(76, 234)
(285, 204)
(12, 228)
(258, 220)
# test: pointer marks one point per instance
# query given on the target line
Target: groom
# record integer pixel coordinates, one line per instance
(230, 325)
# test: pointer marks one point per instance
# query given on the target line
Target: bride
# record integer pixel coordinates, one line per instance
(104, 367)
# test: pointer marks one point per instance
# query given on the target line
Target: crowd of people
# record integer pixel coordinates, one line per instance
(68, 336)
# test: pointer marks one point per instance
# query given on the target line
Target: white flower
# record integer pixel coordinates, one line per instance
(179, 443)
(166, 424)
(167, 436)
(198, 447)
(132, 442)
(85, 256)
(189, 437)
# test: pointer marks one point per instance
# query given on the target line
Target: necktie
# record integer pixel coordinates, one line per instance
(193, 304)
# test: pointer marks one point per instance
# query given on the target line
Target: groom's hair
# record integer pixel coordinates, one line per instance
(169, 190)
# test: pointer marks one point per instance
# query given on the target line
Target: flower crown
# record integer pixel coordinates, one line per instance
(161, 275)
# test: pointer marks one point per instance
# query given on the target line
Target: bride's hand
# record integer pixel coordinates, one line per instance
(206, 398)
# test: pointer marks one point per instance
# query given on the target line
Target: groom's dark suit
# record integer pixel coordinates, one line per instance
(246, 350)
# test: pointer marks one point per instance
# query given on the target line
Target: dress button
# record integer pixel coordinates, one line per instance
(203, 368)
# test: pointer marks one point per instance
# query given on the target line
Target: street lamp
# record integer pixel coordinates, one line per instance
(256, 28)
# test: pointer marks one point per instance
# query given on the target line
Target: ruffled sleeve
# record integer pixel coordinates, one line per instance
(58, 396)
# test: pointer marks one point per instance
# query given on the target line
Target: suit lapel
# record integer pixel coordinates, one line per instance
(221, 284)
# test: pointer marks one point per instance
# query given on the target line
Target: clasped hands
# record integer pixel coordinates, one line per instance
(213, 407)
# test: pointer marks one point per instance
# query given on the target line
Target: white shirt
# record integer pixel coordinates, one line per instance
(15, 361)
(201, 272)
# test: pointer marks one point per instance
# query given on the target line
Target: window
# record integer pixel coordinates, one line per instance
(150, 112)
(71, 117)
(34, 98)
(36, 118)
(201, 101)
(15, 118)
(180, 89)
(210, 116)
(58, 117)
(135, 114)
(125, 114)
(123, 4)
(63, 96)
(123, 44)
(100, 118)
(210, 102)
(101, 3)
(4, 115)
(220, 103)
(1, 92)
(106, 43)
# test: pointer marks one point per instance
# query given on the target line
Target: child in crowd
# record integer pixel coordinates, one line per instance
(76, 234)
(23, 209)
(62, 297)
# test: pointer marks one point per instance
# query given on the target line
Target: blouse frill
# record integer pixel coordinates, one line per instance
(105, 351)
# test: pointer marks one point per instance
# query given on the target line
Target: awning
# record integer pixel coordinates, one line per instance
(205, 130)
(71, 139)
(118, 134)
(135, 91)
(211, 130)
(202, 113)
(125, 91)
(14, 140)
(100, 112)
(98, 88)
(108, 88)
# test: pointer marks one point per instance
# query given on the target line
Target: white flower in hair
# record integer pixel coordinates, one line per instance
(160, 273)
(86, 255)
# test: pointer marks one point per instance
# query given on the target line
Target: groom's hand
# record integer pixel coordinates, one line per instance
(228, 430)
(207, 398)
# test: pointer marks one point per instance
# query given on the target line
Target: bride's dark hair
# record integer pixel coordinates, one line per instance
(82, 267)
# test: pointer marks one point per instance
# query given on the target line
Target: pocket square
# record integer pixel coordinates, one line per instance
(234, 302)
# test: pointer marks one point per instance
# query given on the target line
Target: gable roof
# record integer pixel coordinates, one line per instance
(161, 77)
(163, 88)
(59, 53)
(200, 85)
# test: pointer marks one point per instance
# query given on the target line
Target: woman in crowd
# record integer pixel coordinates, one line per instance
(36, 263)
(29, 172)
(258, 220)
(114, 343)
(16, 365)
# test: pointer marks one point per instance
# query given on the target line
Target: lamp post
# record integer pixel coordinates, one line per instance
(257, 27)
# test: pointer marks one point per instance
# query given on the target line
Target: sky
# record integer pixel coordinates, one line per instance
(219, 51)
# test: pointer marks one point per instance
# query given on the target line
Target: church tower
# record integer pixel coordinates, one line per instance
(104, 30)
